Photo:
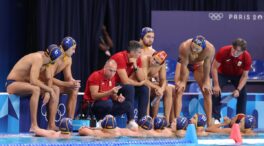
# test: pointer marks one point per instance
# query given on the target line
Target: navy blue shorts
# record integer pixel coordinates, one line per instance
(8, 82)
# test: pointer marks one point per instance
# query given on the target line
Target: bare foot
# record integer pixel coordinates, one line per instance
(33, 128)
(56, 134)
(54, 127)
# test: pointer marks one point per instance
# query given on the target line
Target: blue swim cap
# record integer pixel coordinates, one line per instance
(201, 121)
(160, 123)
(182, 123)
(67, 43)
(144, 31)
(54, 52)
(109, 122)
(145, 123)
(66, 125)
(250, 122)
(200, 41)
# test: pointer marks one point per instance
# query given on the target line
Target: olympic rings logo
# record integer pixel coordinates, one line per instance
(60, 112)
(216, 16)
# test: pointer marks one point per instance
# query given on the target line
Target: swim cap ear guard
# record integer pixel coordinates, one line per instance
(65, 125)
(145, 123)
(250, 122)
(144, 31)
(182, 123)
(201, 120)
(160, 123)
(109, 122)
(67, 43)
(200, 41)
(53, 52)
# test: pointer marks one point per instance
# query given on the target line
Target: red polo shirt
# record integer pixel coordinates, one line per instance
(97, 79)
(232, 66)
(121, 59)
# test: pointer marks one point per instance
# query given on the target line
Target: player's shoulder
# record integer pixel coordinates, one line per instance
(152, 50)
(35, 57)
(186, 43)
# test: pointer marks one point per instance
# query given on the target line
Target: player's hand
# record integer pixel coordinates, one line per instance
(235, 93)
(46, 98)
(180, 86)
(216, 90)
(141, 83)
(75, 84)
(207, 89)
(52, 93)
(159, 92)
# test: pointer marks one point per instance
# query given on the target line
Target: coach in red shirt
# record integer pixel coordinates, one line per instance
(131, 77)
(101, 92)
(232, 63)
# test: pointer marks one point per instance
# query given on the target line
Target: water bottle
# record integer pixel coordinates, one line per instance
(155, 100)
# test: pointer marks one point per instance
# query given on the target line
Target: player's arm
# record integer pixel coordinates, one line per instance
(34, 76)
(70, 81)
(214, 72)
(207, 64)
(162, 76)
(145, 71)
(63, 83)
(126, 80)
(67, 71)
(49, 76)
(184, 61)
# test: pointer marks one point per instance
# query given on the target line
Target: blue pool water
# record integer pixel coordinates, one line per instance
(30, 139)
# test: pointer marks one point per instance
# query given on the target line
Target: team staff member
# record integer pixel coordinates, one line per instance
(101, 92)
(131, 77)
(232, 63)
